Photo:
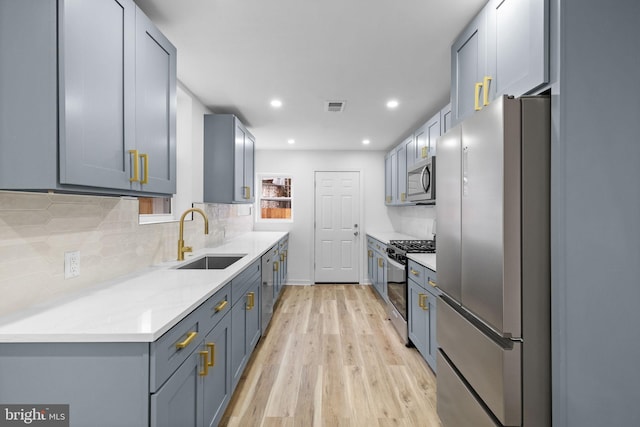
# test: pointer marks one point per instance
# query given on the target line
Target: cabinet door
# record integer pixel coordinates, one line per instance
(445, 119)
(388, 196)
(371, 270)
(253, 318)
(96, 92)
(468, 65)
(401, 158)
(431, 354)
(178, 402)
(410, 150)
(155, 108)
(418, 317)
(421, 136)
(245, 330)
(433, 133)
(239, 191)
(216, 390)
(517, 55)
(249, 147)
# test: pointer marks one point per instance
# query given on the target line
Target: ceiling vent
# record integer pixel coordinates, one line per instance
(334, 106)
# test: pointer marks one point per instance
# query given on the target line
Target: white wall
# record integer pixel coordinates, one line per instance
(302, 165)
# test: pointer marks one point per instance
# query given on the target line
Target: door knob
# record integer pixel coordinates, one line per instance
(356, 233)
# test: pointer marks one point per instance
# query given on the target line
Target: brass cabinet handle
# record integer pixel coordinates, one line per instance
(276, 266)
(414, 272)
(136, 166)
(251, 301)
(282, 257)
(221, 306)
(403, 197)
(212, 354)
(432, 283)
(422, 302)
(370, 253)
(190, 337)
(145, 161)
(205, 363)
(247, 192)
(485, 92)
(388, 199)
(424, 152)
(477, 96)
(380, 262)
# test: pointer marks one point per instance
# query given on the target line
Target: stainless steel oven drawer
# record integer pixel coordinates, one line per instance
(492, 368)
(457, 406)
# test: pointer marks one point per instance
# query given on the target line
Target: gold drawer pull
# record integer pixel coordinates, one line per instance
(205, 363)
(370, 253)
(432, 283)
(422, 302)
(414, 272)
(212, 354)
(136, 166)
(247, 192)
(145, 161)
(190, 337)
(424, 152)
(485, 92)
(380, 263)
(477, 106)
(221, 306)
(251, 301)
(276, 266)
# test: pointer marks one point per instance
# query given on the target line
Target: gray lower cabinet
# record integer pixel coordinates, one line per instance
(377, 266)
(421, 308)
(216, 387)
(228, 160)
(245, 320)
(78, 82)
(504, 50)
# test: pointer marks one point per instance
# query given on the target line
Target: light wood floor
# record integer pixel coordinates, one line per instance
(331, 358)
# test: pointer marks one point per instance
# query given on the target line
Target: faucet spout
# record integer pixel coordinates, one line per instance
(181, 247)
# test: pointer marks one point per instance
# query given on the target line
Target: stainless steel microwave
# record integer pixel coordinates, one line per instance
(421, 181)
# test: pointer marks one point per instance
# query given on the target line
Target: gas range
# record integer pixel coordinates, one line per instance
(398, 249)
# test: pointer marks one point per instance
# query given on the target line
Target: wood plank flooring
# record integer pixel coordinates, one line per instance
(331, 358)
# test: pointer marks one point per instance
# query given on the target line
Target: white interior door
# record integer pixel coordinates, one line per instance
(337, 229)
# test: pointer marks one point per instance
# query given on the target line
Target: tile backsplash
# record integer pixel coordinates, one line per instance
(418, 221)
(36, 229)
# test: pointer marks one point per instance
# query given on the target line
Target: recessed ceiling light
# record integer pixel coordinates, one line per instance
(276, 103)
(291, 141)
(392, 104)
(366, 141)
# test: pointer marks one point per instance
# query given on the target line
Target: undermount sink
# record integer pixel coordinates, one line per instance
(212, 262)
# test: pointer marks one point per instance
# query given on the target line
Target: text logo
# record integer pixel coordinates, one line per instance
(34, 415)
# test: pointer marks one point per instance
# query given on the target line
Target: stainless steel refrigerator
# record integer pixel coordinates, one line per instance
(493, 319)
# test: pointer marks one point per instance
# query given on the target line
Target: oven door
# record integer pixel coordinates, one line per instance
(397, 286)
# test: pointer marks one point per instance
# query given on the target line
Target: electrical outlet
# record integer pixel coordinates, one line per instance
(71, 264)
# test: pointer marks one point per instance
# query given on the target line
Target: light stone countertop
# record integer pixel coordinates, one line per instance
(428, 260)
(139, 307)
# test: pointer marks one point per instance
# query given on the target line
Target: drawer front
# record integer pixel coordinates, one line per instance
(240, 288)
(214, 309)
(242, 281)
(431, 282)
(417, 273)
(169, 351)
(493, 370)
(457, 407)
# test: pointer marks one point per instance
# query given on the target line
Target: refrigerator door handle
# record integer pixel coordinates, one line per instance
(465, 175)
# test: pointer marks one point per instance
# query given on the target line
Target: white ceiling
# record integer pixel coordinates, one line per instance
(237, 55)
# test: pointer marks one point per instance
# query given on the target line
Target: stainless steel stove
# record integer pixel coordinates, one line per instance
(397, 286)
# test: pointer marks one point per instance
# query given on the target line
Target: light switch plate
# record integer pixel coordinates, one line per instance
(71, 264)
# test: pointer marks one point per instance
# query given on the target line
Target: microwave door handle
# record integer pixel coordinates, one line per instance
(426, 174)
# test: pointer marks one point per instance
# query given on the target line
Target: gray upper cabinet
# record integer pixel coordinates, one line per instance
(96, 102)
(468, 65)
(503, 51)
(445, 119)
(155, 107)
(228, 160)
(517, 46)
(71, 107)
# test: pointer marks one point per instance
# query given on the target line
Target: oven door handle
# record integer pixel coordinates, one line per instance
(395, 263)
